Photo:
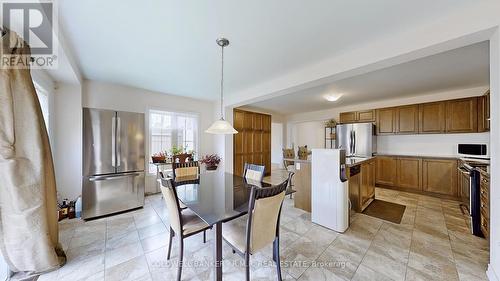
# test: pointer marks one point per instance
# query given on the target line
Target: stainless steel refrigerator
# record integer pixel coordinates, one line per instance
(113, 162)
(358, 140)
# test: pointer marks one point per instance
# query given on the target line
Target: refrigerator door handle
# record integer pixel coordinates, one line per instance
(110, 177)
(351, 148)
(118, 141)
(113, 141)
(354, 143)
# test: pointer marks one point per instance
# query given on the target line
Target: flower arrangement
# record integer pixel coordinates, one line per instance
(211, 161)
(159, 157)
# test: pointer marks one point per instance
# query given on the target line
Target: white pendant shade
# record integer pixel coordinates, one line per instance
(221, 127)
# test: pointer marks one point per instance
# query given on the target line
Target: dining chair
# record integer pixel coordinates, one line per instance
(253, 172)
(262, 226)
(289, 188)
(185, 169)
(183, 223)
(182, 158)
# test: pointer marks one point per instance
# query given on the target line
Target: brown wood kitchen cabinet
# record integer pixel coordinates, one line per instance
(386, 121)
(362, 185)
(367, 190)
(358, 116)
(483, 113)
(385, 170)
(432, 118)
(409, 173)
(440, 176)
(252, 143)
(407, 119)
(461, 115)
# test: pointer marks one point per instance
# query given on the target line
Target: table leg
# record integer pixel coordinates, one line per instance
(218, 252)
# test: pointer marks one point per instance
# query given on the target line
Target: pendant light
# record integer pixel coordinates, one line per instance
(221, 126)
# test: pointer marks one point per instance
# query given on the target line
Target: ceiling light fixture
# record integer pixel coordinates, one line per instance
(333, 97)
(221, 126)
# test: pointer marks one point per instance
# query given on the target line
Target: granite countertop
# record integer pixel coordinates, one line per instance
(419, 156)
(354, 161)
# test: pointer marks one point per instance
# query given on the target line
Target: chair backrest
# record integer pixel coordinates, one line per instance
(288, 153)
(173, 208)
(186, 169)
(290, 176)
(264, 211)
(254, 172)
(182, 158)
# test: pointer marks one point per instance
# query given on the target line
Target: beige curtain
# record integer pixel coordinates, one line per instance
(28, 204)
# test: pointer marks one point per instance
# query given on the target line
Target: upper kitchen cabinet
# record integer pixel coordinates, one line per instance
(461, 115)
(432, 118)
(386, 121)
(358, 116)
(483, 113)
(440, 176)
(407, 119)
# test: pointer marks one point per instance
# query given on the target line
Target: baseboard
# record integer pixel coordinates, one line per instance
(492, 276)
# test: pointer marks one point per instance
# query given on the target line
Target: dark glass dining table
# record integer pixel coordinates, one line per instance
(216, 197)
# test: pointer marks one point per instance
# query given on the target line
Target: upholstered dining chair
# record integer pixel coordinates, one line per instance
(184, 224)
(253, 172)
(185, 169)
(262, 225)
(289, 188)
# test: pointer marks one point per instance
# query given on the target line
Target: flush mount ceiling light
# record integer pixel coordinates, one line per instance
(221, 126)
(333, 97)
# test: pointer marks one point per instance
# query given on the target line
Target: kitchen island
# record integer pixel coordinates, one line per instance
(302, 183)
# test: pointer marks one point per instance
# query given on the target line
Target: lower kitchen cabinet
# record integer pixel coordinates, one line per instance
(409, 173)
(385, 170)
(362, 185)
(440, 176)
(367, 190)
(432, 176)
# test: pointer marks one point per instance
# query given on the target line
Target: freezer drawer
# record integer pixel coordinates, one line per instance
(107, 194)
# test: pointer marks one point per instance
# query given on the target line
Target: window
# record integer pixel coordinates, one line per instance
(169, 129)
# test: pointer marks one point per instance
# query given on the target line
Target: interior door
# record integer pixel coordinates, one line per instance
(130, 142)
(98, 138)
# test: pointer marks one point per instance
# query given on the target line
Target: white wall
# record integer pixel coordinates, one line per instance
(494, 267)
(310, 133)
(307, 128)
(123, 98)
(277, 144)
(67, 146)
(428, 145)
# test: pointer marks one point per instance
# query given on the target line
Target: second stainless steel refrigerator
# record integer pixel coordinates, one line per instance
(113, 162)
(358, 140)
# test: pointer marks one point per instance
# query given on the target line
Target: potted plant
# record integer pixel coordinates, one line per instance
(159, 157)
(331, 123)
(176, 150)
(211, 161)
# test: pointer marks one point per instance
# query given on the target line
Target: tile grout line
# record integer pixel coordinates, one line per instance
(411, 240)
(364, 255)
(451, 246)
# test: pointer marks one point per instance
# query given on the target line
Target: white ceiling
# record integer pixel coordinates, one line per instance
(465, 67)
(169, 46)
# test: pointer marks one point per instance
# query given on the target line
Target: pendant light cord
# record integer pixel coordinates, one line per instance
(222, 87)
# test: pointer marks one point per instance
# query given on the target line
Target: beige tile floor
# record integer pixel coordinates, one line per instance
(431, 243)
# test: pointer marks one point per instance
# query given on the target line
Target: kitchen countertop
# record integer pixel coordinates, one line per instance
(354, 161)
(298, 160)
(418, 156)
